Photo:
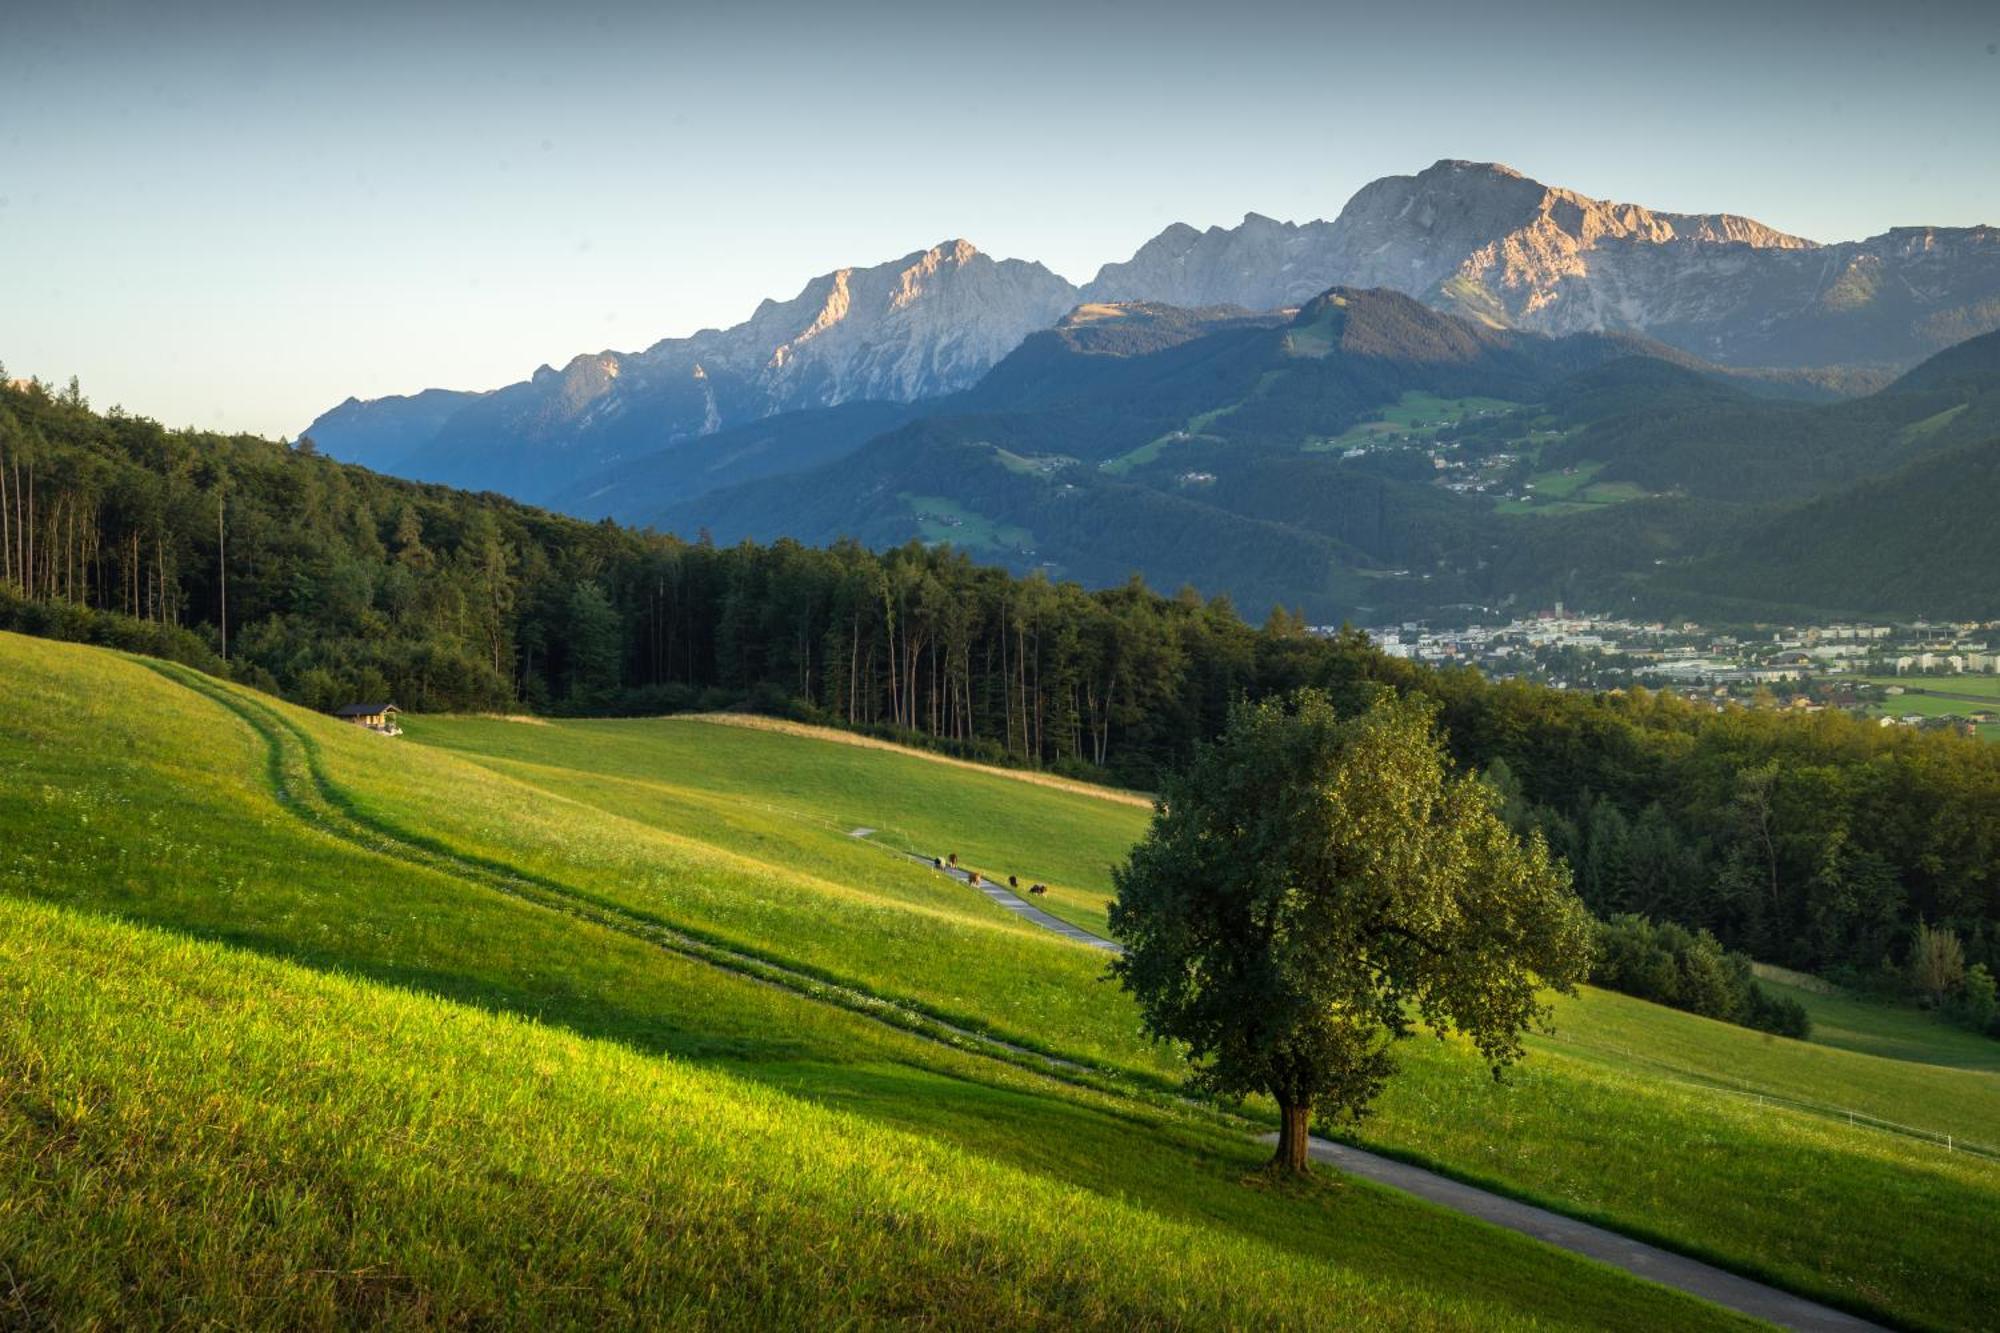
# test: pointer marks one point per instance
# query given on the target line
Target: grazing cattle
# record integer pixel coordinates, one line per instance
(1038, 889)
(975, 879)
(1013, 883)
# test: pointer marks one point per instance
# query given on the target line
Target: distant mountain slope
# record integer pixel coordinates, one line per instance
(1191, 462)
(1099, 362)
(928, 482)
(929, 323)
(1668, 430)
(1369, 456)
(639, 489)
(382, 432)
(1973, 364)
(1921, 542)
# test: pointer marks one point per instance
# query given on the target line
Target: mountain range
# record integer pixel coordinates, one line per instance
(1468, 390)
(1473, 239)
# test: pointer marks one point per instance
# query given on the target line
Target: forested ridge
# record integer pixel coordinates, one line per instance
(1815, 841)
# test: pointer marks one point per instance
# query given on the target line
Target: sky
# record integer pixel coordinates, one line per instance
(234, 215)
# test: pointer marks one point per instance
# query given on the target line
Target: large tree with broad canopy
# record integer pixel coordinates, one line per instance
(1315, 887)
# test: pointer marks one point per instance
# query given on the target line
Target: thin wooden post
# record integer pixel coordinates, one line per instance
(222, 572)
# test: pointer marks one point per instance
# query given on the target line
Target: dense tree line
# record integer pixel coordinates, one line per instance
(1812, 841)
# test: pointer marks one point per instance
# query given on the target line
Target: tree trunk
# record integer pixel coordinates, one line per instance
(1292, 1132)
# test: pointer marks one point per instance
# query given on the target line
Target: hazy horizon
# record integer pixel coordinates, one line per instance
(234, 216)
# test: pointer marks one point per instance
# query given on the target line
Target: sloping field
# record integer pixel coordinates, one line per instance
(195, 1131)
(1895, 1031)
(1751, 1150)
(691, 890)
(418, 1091)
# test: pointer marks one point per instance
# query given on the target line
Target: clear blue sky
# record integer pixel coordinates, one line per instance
(234, 215)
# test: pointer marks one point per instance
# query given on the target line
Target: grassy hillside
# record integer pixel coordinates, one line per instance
(798, 791)
(193, 1129)
(688, 889)
(471, 1119)
(1759, 1119)
(1893, 1031)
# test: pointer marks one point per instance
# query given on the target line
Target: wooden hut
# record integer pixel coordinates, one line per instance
(375, 717)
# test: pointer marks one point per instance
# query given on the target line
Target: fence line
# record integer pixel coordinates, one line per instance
(1691, 1078)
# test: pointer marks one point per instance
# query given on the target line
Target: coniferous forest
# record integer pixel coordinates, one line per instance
(1817, 841)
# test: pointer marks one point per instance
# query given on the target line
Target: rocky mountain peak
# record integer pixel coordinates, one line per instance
(585, 378)
(1483, 227)
(1460, 166)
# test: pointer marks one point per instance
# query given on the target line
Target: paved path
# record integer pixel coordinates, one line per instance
(1706, 1281)
(1647, 1261)
(1021, 907)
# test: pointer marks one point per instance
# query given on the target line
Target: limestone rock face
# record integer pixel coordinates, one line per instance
(1466, 227)
(1481, 240)
(927, 324)
(1262, 264)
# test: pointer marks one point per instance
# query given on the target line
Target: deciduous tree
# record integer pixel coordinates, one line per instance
(1315, 887)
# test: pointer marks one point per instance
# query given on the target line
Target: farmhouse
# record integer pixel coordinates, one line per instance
(375, 717)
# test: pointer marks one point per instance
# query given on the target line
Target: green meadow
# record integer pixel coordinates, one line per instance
(558, 1023)
(946, 520)
(1972, 688)
(1416, 414)
(1895, 1031)
(198, 1135)
(1570, 491)
(1933, 696)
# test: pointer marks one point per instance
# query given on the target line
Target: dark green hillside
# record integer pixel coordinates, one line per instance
(1923, 541)
(1115, 333)
(1384, 508)
(1349, 351)
(1102, 361)
(1030, 513)
(1097, 398)
(1369, 458)
(1970, 366)
(1091, 455)
(1685, 433)
(1629, 384)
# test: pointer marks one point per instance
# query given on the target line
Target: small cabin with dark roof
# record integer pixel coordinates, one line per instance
(375, 717)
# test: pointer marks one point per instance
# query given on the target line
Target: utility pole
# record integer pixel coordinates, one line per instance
(222, 571)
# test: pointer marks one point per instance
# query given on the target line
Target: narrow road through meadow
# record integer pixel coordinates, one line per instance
(1741, 1294)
